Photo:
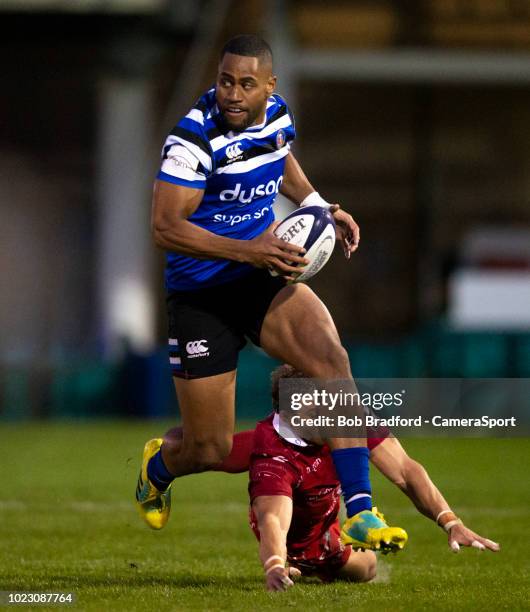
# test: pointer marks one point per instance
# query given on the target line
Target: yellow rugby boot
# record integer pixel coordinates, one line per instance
(368, 530)
(153, 505)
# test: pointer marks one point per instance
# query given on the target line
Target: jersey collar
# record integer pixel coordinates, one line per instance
(285, 432)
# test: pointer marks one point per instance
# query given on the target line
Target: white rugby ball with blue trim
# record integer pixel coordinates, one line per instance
(313, 228)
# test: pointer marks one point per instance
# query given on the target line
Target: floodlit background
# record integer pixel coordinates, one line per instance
(414, 116)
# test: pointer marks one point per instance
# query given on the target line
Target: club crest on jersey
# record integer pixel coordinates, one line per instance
(280, 139)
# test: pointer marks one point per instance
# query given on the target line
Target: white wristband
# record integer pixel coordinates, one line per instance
(273, 567)
(442, 513)
(314, 199)
(273, 558)
(450, 524)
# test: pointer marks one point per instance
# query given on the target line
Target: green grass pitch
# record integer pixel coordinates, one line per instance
(68, 523)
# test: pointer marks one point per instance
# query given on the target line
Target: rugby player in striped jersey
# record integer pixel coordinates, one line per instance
(222, 167)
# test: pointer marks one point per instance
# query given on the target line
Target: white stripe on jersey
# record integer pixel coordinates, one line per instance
(196, 115)
(223, 141)
(214, 111)
(205, 159)
(254, 162)
(173, 168)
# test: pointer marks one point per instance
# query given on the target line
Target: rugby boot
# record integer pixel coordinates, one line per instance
(368, 530)
(153, 505)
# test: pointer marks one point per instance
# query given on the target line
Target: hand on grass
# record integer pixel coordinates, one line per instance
(460, 535)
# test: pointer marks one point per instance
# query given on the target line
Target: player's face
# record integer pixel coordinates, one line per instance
(242, 89)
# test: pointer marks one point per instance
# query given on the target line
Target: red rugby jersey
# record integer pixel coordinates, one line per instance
(306, 474)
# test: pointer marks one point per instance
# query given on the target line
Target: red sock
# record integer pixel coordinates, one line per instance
(239, 458)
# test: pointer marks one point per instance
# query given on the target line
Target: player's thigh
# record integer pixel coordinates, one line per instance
(298, 329)
(361, 566)
(204, 347)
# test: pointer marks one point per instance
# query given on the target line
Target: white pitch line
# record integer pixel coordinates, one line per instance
(12, 504)
(90, 506)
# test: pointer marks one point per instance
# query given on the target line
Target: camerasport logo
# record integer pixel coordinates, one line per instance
(197, 348)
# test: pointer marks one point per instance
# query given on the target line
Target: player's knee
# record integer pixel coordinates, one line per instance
(361, 567)
(370, 568)
(335, 362)
(341, 360)
(331, 360)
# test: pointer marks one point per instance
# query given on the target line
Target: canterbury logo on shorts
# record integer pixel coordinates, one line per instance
(197, 348)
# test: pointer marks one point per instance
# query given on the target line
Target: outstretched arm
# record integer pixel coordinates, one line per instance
(412, 478)
(273, 514)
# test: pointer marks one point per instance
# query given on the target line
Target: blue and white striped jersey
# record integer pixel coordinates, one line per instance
(241, 174)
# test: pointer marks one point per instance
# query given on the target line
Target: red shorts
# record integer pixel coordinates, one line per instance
(322, 557)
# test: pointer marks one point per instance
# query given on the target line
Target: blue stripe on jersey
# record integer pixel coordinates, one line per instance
(239, 190)
(164, 176)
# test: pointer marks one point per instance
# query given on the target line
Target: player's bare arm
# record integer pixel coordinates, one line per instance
(295, 184)
(298, 189)
(173, 204)
(273, 514)
(391, 459)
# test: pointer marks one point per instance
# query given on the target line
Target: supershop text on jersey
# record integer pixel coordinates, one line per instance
(241, 174)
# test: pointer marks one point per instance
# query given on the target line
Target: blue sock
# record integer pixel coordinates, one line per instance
(352, 466)
(158, 473)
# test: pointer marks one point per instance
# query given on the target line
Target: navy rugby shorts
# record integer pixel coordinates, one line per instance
(208, 327)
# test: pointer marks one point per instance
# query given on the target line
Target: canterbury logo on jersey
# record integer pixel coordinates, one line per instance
(234, 152)
(197, 348)
(245, 197)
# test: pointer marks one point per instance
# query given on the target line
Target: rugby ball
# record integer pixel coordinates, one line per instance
(313, 228)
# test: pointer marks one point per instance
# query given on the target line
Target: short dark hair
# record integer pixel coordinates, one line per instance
(283, 371)
(248, 45)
